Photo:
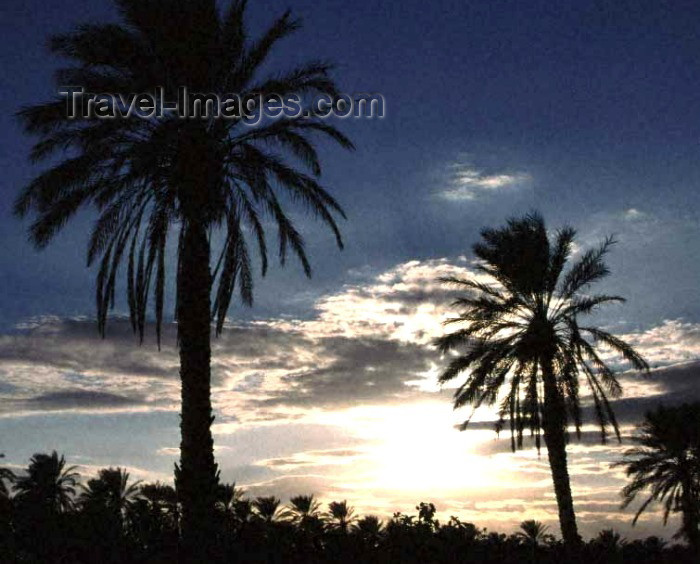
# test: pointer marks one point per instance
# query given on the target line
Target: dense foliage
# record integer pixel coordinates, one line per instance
(48, 517)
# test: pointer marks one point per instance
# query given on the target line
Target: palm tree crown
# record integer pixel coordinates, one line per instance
(48, 483)
(110, 490)
(533, 532)
(342, 514)
(524, 324)
(135, 171)
(522, 336)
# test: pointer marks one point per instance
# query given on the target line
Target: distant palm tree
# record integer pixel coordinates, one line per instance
(533, 532)
(303, 509)
(267, 508)
(666, 463)
(148, 177)
(522, 334)
(342, 514)
(7, 476)
(228, 497)
(48, 485)
(369, 528)
(110, 491)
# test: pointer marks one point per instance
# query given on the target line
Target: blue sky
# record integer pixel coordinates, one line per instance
(586, 111)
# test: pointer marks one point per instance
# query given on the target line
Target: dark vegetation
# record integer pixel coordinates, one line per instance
(47, 516)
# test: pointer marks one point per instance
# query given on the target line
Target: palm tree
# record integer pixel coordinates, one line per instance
(522, 335)
(48, 486)
(110, 491)
(228, 497)
(342, 514)
(148, 177)
(303, 509)
(6, 476)
(369, 528)
(161, 501)
(533, 532)
(267, 508)
(666, 462)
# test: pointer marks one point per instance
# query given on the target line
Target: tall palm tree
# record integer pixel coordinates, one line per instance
(48, 485)
(666, 463)
(110, 491)
(522, 342)
(150, 177)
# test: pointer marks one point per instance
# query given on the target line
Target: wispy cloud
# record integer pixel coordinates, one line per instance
(469, 183)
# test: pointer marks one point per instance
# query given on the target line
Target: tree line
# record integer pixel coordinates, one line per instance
(47, 515)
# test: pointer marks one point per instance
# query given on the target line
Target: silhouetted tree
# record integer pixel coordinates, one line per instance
(153, 518)
(228, 496)
(533, 533)
(44, 493)
(341, 514)
(522, 334)
(666, 463)
(267, 508)
(369, 528)
(48, 484)
(148, 176)
(7, 478)
(110, 491)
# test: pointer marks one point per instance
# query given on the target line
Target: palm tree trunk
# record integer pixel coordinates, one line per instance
(197, 476)
(553, 424)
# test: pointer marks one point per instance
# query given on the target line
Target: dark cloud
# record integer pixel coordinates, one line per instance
(75, 345)
(67, 399)
(361, 370)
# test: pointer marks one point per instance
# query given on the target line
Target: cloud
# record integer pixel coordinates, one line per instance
(343, 403)
(469, 183)
(633, 214)
(81, 398)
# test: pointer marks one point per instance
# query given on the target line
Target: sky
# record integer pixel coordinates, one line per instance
(585, 111)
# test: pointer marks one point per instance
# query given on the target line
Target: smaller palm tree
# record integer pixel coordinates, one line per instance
(369, 529)
(228, 497)
(303, 510)
(48, 484)
(341, 514)
(267, 508)
(534, 533)
(609, 541)
(110, 491)
(161, 500)
(7, 476)
(666, 463)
